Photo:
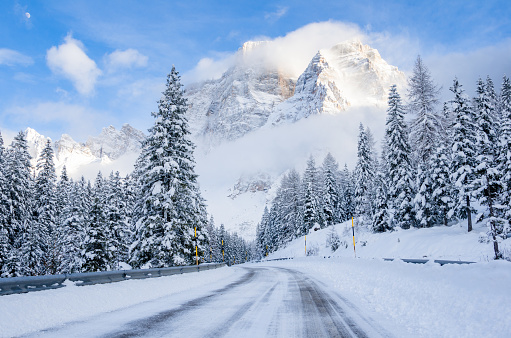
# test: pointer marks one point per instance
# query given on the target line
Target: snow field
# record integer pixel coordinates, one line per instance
(30, 312)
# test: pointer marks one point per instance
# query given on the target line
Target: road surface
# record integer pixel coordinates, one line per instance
(262, 302)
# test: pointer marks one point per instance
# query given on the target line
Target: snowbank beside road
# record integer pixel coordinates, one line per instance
(420, 300)
(440, 242)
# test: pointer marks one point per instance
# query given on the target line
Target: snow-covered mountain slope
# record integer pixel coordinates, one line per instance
(111, 150)
(251, 95)
(237, 103)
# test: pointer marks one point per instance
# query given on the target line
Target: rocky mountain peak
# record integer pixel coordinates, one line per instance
(114, 143)
(250, 95)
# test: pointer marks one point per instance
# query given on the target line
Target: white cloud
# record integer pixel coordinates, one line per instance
(290, 53)
(275, 150)
(128, 58)
(70, 60)
(469, 66)
(8, 136)
(11, 57)
(273, 16)
(208, 68)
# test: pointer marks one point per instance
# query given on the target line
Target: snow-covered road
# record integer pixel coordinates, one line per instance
(262, 302)
(309, 296)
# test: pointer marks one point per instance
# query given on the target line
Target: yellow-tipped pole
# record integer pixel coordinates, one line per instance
(353, 228)
(196, 255)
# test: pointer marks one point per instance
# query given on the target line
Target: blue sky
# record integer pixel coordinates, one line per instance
(77, 66)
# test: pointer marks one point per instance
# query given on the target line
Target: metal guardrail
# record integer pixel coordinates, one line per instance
(424, 261)
(36, 283)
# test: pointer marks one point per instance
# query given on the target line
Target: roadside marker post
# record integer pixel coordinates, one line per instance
(305, 245)
(223, 260)
(196, 255)
(353, 228)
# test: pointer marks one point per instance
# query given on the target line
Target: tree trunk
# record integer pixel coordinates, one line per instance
(493, 228)
(469, 214)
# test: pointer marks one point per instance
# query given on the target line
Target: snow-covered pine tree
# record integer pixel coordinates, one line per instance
(423, 200)
(275, 220)
(488, 181)
(427, 121)
(31, 251)
(333, 241)
(263, 241)
(381, 219)
(364, 178)
(442, 200)
(426, 129)
(117, 220)
(463, 153)
(19, 200)
(331, 198)
(312, 213)
(130, 188)
(504, 158)
(213, 254)
(222, 238)
(401, 183)
(96, 254)
(291, 214)
(259, 241)
(62, 201)
(347, 195)
(45, 209)
(5, 246)
(495, 103)
(75, 219)
(171, 206)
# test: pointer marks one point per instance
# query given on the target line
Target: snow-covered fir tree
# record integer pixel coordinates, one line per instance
(401, 186)
(442, 190)
(488, 180)
(291, 208)
(171, 206)
(5, 245)
(45, 209)
(331, 203)
(117, 220)
(504, 159)
(214, 254)
(312, 213)
(75, 218)
(426, 129)
(62, 200)
(464, 151)
(347, 194)
(19, 200)
(427, 122)
(381, 220)
(364, 178)
(96, 254)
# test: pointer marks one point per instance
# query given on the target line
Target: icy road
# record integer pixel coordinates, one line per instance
(261, 302)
